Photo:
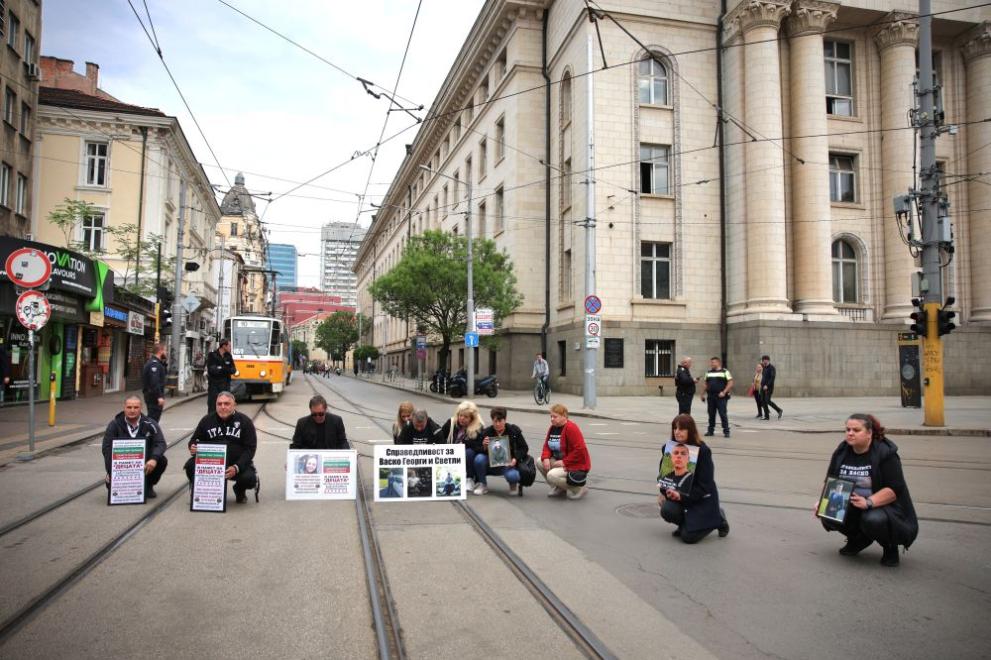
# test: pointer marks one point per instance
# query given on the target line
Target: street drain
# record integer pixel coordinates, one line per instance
(648, 510)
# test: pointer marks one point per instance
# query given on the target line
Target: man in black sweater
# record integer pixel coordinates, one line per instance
(132, 424)
(228, 427)
(420, 431)
(219, 369)
(767, 385)
(320, 429)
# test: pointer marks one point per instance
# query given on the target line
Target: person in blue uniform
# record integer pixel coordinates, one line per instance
(718, 385)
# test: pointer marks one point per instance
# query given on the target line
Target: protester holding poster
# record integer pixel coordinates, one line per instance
(320, 429)
(465, 428)
(515, 447)
(132, 424)
(228, 427)
(696, 513)
(421, 430)
(677, 467)
(564, 459)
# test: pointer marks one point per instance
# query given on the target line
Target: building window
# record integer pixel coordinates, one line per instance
(483, 92)
(844, 273)
(655, 270)
(14, 29)
(9, 103)
(613, 358)
(233, 229)
(562, 358)
(26, 120)
(500, 68)
(5, 174)
(500, 210)
(483, 152)
(456, 200)
(456, 131)
(29, 46)
(21, 201)
(469, 115)
(566, 184)
(445, 198)
(481, 220)
(96, 163)
(564, 287)
(654, 169)
(652, 83)
(842, 179)
(839, 78)
(658, 358)
(93, 232)
(565, 112)
(500, 137)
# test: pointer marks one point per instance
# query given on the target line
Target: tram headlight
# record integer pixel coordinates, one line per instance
(262, 373)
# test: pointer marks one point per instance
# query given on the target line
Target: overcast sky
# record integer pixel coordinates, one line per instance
(268, 108)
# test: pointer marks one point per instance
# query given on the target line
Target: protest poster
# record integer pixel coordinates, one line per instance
(677, 467)
(835, 498)
(500, 451)
(209, 483)
(327, 474)
(127, 472)
(419, 473)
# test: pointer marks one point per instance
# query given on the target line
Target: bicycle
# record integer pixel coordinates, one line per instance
(541, 392)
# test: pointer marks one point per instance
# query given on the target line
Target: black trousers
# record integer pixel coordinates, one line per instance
(767, 402)
(684, 402)
(153, 477)
(717, 404)
(673, 513)
(212, 390)
(154, 410)
(857, 523)
(245, 480)
(761, 400)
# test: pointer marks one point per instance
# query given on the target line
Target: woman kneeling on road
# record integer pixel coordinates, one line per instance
(880, 507)
(518, 450)
(697, 512)
(564, 460)
(465, 428)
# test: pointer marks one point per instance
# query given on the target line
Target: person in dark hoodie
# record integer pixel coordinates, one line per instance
(518, 451)
(880, 507)
(421, 430)
(320, 429)
(228, 427)
(132, 424)
(153, 382)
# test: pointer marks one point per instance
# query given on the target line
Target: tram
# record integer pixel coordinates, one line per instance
(260, 347)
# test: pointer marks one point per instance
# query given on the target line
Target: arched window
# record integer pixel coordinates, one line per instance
(845, 273)
(566, 99)
(652, 82)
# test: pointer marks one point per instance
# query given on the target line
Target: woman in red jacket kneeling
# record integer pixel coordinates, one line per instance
(564, 461)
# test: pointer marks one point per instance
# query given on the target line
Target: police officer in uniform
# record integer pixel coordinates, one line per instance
(718, 383)
(228, 427)
(219, 369)
(153, 382)
(684, 386)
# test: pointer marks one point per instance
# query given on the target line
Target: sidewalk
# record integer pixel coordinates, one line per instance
(75, 420)
(965, 415)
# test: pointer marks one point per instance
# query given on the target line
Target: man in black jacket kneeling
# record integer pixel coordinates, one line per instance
(132, 424)
(228, 427)
(320, 429)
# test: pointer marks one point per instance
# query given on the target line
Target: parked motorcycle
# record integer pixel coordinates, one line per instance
(458, 385)
(439, 381)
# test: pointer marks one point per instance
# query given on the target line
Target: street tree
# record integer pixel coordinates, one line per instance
(430, 284)
(338, 333)
(299, 348)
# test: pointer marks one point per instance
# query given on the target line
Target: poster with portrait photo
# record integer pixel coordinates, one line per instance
(677, 467)
(500, 452)
(327, 474)
(419, 473)
(419, 481)
(835, 499)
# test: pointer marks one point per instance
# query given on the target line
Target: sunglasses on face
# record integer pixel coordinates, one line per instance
(318, 414)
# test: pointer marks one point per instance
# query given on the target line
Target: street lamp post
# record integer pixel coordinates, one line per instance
(470, 325)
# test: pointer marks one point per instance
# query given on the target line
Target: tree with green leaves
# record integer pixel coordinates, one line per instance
(430, 284)
(338, 333)
(299, 347)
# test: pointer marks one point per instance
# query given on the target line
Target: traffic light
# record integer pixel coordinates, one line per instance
(166, 321)
(945, 318)
(919, 318)
(165, 300)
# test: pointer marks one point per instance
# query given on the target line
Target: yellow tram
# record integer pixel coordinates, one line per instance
(260, 348)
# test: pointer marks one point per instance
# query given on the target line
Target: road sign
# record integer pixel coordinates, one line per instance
(190, 303)
(28, 268)
(421, 347)
(471, 339)
(593, 305)
(593, 325)
(485, 321)
(33, 310)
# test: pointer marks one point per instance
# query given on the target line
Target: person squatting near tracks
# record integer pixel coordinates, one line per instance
(227, 426)
(132, 424)
(320, 429)
(564, 459)
(402, 420)
(696, 513)
(518, 450)
(420, 430)
(880, 507)
(465, 427)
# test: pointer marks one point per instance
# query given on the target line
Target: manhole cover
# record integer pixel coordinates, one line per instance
(646, 510)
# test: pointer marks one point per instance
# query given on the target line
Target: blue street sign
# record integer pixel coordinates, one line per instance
(471, 339)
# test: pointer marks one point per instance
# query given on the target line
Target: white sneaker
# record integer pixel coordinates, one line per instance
(480, 489)
(577, 495)
(469, 484)
(555, 492)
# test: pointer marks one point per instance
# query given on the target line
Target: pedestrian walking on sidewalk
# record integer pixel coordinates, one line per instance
(465, 428)
(564, 459)
(684, 386)
(132, 424)
(219, 369)
(226, 426)
(880, 507)
(153, 382)
(757, 392)
(767, 386)
(695, 513)
(718, 385)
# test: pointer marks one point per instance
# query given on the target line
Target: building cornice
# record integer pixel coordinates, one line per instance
(901, 29)
(976, 43)
(811, 17)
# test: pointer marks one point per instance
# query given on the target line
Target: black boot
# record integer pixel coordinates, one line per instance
(723, 526)
(677, 531)
(854, 544)
(890, 557)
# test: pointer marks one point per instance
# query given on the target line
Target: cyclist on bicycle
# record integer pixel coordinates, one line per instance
(541, 370)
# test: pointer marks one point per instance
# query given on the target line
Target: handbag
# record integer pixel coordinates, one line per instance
(751, 390)
(527, 470)
(577, 478)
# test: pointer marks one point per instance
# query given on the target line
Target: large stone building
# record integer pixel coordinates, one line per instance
(777, 237)
(339, 242)
(20, 30)
(240, 231)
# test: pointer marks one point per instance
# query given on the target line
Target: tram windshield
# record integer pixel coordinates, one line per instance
(255, 338)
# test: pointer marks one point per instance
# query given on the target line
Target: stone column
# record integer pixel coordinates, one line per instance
(811, 233)
(767, 284)
(896, 42)
(977, 55)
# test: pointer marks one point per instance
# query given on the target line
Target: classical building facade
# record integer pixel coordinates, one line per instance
(20, 30)
(339, 242)
(240, 231)
(776, 236)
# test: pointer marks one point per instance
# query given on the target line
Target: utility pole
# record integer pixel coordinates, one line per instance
(220, 286)
(177, 321)
(591, 354)
(158, 290)
(470, 326)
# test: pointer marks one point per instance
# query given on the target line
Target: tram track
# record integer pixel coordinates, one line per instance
(37, 603)
(581, 635)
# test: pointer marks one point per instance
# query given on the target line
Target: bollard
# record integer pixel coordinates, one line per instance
(51, 401)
